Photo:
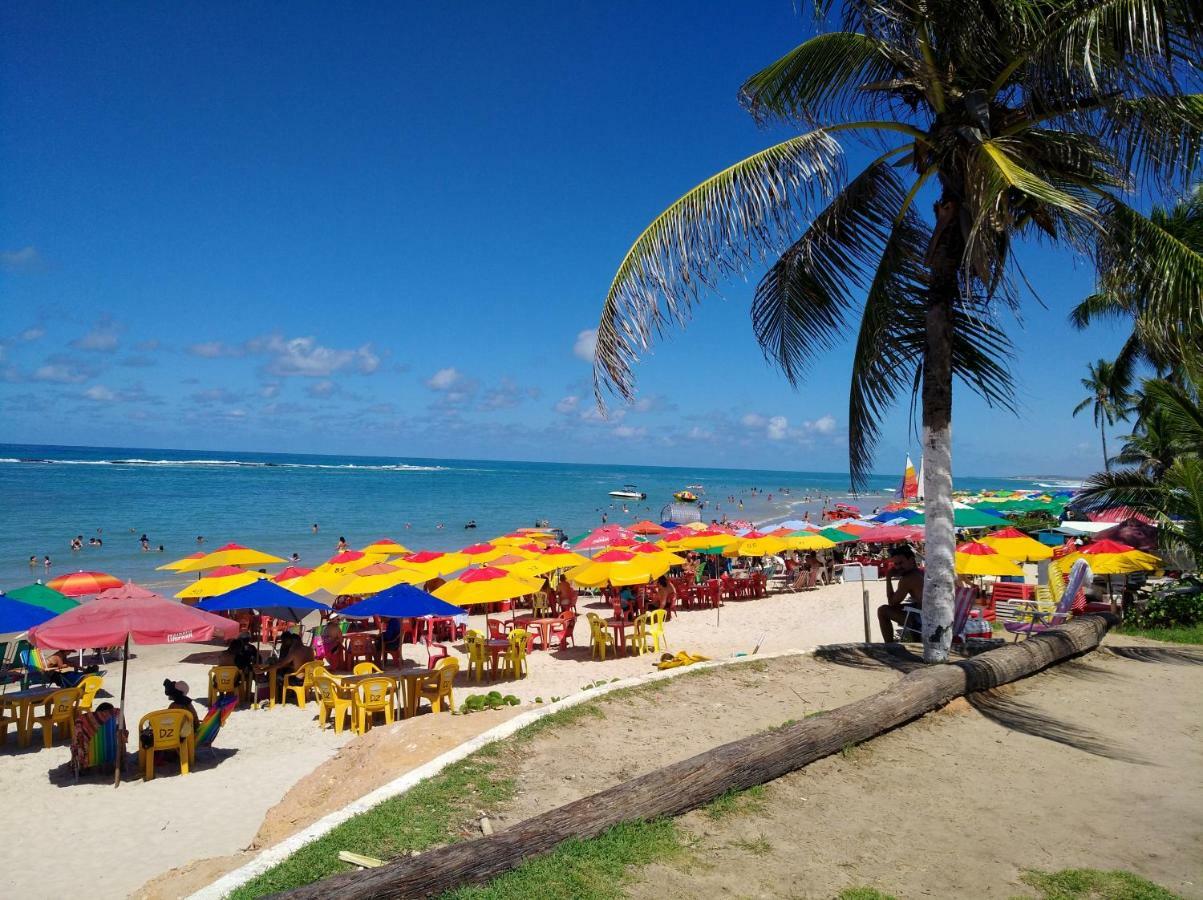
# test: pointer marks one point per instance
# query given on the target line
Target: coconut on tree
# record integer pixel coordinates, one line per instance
(1023, 119)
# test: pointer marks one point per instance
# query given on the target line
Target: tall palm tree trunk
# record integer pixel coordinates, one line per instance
(1106, 458)
(944, 261)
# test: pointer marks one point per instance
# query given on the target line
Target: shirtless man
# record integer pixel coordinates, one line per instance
(908, 591)
(293, 655)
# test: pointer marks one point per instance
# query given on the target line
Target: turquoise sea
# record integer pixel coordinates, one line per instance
(271, 501)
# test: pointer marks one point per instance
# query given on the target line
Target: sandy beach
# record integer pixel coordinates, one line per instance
(219, 809)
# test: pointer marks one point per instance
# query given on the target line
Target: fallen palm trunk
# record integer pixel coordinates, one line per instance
(693, 782)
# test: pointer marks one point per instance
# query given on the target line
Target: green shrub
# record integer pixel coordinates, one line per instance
(1166, 610)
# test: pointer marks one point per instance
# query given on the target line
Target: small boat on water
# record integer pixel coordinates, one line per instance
(685, 497)
(629, 492)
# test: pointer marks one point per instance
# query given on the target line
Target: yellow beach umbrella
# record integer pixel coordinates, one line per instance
(373, 579)
(619, 568)
(483, 553)
(385, 547)
(975, 558)
(176, 565)
(229, 555)
(549, 562)
(708, 540)
(219, 582)
(762, 546)
(814, 541)
(1014, 544)
(486, 584)
(1113, 558)
(433, 562)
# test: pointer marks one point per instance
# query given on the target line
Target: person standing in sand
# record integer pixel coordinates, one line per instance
(908, 591)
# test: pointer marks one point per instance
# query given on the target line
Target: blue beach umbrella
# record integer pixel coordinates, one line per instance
(401, 602)
(267, 597)
(16, 616)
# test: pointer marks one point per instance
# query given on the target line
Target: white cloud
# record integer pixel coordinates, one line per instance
(777, 428)
(594, 414)
(16, 260)
(304, 356)
(59, 373)
(321, 389)
(585, 346)
(698, 433)
(269, 391)
(31, 334)
(628, 431)
(100, 394)
(444, 379)
(101, 338)
(752, 420)
(213, 350)
(822, 425)
(568, 404)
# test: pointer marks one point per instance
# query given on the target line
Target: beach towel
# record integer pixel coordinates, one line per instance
(95, 743)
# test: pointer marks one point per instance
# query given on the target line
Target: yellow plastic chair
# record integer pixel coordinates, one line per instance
(60, 709)
(9, 717)
(225, 680)
(599, 636)
(436, 686)
(300, 682)
(478, 658)
(88, 687)
(366, 668)
(649, 631)
(539, 606)
(170, 730)
(373, 697)
(334, 700)
(515, 654)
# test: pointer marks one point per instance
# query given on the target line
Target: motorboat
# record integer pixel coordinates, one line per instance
(629, 492)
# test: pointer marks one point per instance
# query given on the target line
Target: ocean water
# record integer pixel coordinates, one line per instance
(271, 501)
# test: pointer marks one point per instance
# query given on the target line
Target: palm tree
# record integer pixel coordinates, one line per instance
(1029, 117)
(1152, 448)
(1174, 492)
(1109, 398)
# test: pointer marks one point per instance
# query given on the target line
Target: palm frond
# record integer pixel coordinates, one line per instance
(1155, 263)
(821, 79)
(801, 302)
(1182, 414)
(1158, 137)
(721, 227)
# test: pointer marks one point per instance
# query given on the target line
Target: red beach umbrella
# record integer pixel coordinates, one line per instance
(80, 584)
(127, 612)
(648, 527)
(290, 573)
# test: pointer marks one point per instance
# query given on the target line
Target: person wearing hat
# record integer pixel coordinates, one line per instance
(177, 693)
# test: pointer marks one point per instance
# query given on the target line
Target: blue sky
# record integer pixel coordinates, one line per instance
(388, 229)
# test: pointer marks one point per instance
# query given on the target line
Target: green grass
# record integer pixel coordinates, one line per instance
(863, 893)
(1184, 634)
(596, 869)
(420, 818)
(734, 802)
(759, 846)
(1092, 884)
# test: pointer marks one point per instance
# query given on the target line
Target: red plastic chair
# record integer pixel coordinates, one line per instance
(714, 593)
(499, 629)
(437, 652)
(563, 629)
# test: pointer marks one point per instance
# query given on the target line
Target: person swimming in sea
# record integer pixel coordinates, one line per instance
(471, 523)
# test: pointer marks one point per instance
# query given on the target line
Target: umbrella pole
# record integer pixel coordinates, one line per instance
(121, 726)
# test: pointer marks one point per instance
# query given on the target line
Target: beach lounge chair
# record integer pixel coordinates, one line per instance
(962, 605)
(211, 724)
(1042, 619)
(436, 687)
(97, 743)
(162, 731)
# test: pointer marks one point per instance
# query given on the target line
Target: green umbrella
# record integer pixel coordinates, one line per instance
(37, 594)
(966, 518)
(840, 537)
